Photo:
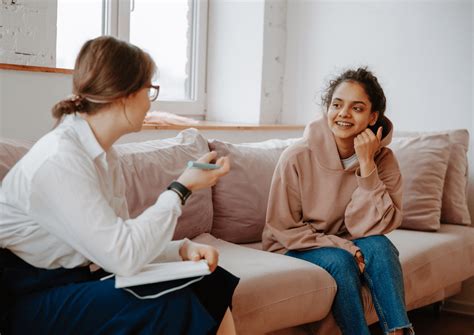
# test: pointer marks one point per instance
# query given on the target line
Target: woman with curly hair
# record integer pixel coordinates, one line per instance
(334, 195)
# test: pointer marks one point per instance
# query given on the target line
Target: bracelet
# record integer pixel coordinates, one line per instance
(182, 191)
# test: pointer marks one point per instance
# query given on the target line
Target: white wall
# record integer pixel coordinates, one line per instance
(235, 51)
(26, 99)
(420, 50)
(246, 60)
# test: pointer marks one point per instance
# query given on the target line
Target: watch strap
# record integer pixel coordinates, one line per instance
(182, 191)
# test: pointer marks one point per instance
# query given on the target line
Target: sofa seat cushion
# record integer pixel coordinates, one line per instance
(275, 291)
(433, 261)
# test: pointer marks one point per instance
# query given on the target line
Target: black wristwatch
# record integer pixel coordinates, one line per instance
(182, 191)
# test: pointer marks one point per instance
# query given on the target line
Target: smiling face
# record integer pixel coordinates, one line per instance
(349, 114)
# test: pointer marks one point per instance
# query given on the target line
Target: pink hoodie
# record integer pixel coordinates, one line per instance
(315, 203)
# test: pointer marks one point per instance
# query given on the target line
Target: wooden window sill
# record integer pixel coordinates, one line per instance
(209, 125)
(29, 68)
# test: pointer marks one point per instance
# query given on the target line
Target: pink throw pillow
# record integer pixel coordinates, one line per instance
(240, 198)
(423, 163)
(454, 208)
(11, 151)
(149, 167)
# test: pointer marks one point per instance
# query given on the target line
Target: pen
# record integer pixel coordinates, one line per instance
(203, 166)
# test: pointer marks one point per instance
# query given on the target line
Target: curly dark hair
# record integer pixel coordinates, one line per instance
(371, 86)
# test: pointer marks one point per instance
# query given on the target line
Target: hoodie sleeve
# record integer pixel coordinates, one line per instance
(285, 227)
(376, 204)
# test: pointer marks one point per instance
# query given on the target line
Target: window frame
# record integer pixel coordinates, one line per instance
(116, 22)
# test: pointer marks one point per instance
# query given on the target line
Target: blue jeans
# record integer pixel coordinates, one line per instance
(382, 274)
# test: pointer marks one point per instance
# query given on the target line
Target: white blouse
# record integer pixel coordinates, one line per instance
(63, 205)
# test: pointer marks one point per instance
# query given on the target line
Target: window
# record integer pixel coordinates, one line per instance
(173, 32)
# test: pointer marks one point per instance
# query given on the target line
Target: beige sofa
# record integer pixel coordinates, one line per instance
(283, 295)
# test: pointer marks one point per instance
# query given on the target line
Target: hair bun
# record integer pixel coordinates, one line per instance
(65, 107)
(78, 101)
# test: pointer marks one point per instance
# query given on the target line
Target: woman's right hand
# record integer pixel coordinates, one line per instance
(192, 251)
(196, 179)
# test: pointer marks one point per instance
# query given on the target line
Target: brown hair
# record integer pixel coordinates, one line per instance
(372, 88)
(106, 69)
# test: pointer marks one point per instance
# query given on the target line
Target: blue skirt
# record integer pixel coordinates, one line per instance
(75, 301)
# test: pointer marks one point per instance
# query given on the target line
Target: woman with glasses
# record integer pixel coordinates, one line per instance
(65, 224)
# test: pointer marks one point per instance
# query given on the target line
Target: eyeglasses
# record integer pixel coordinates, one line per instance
(153, 91)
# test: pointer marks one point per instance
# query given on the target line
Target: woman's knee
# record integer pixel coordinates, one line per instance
(326, 257)
(342, 259)
(340, 264)
(345, 271)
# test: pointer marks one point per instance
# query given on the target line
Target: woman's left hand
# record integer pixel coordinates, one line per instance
(191, 251)
(366, 145)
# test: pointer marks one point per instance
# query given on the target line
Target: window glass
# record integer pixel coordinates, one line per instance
(164, 28)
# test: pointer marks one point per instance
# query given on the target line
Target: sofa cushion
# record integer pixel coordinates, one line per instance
(11, 151)
(423, 163)
(434, 260)
(240, 198)
(454, 207)
(432, 263)
(275, 291)
(149, 167)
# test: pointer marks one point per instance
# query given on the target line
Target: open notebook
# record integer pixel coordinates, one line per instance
(160, 272)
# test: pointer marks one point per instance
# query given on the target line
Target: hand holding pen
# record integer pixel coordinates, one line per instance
(201, 174)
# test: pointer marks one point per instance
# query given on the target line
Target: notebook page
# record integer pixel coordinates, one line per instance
(155, 273)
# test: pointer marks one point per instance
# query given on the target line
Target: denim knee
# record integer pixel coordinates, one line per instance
(334, 260)
(341, 264)
(376, 245)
